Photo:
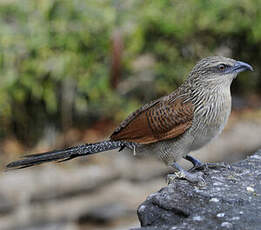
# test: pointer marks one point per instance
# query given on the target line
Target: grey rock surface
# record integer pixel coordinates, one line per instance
(231, 199)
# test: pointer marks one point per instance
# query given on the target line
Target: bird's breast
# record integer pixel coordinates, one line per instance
(210, 118)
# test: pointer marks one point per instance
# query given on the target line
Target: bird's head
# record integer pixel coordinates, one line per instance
(218, 70)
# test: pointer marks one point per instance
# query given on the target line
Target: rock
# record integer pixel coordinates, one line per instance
(231, 199)
(53, 183)
(49, 226)
(105, 213)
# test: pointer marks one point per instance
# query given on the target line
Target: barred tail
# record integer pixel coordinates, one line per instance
(68, 154)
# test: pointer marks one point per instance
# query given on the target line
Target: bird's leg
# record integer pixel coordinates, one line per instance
(198, 165)
(183, 174)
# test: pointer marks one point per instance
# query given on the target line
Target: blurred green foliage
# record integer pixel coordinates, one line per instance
(55, 55)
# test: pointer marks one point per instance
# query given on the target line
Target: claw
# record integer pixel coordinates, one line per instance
(191, 177)
(170, 178)
(198, 165)
(205, 166)
(183, 174)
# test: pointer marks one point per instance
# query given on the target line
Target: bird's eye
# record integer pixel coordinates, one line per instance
(221, 67)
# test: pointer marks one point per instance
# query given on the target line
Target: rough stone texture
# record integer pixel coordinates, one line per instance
(231, 199)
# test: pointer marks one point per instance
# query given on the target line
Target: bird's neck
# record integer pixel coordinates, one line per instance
(210, 92)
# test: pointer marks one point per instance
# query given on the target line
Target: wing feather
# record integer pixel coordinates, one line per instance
(160, 120)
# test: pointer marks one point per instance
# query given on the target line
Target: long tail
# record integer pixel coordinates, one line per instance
(68, 154)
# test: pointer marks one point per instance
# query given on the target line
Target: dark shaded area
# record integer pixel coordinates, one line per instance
(229, 200)
(105, 214)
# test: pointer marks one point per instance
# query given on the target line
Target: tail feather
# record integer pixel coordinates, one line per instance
(67, 154)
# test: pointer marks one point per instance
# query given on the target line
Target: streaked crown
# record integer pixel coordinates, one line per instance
(218, 68)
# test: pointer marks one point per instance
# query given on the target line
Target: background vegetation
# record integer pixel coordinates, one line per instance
(68, 63)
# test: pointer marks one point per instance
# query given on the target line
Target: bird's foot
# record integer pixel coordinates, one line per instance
(198, 165)
(191, 177)
(205, 166)
(183, 174)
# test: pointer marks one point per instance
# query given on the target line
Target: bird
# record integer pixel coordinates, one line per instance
(169, 127)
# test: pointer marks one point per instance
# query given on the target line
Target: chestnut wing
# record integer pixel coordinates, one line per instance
(160, 120)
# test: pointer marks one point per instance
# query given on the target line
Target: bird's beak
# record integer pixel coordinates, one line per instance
(241, 66)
